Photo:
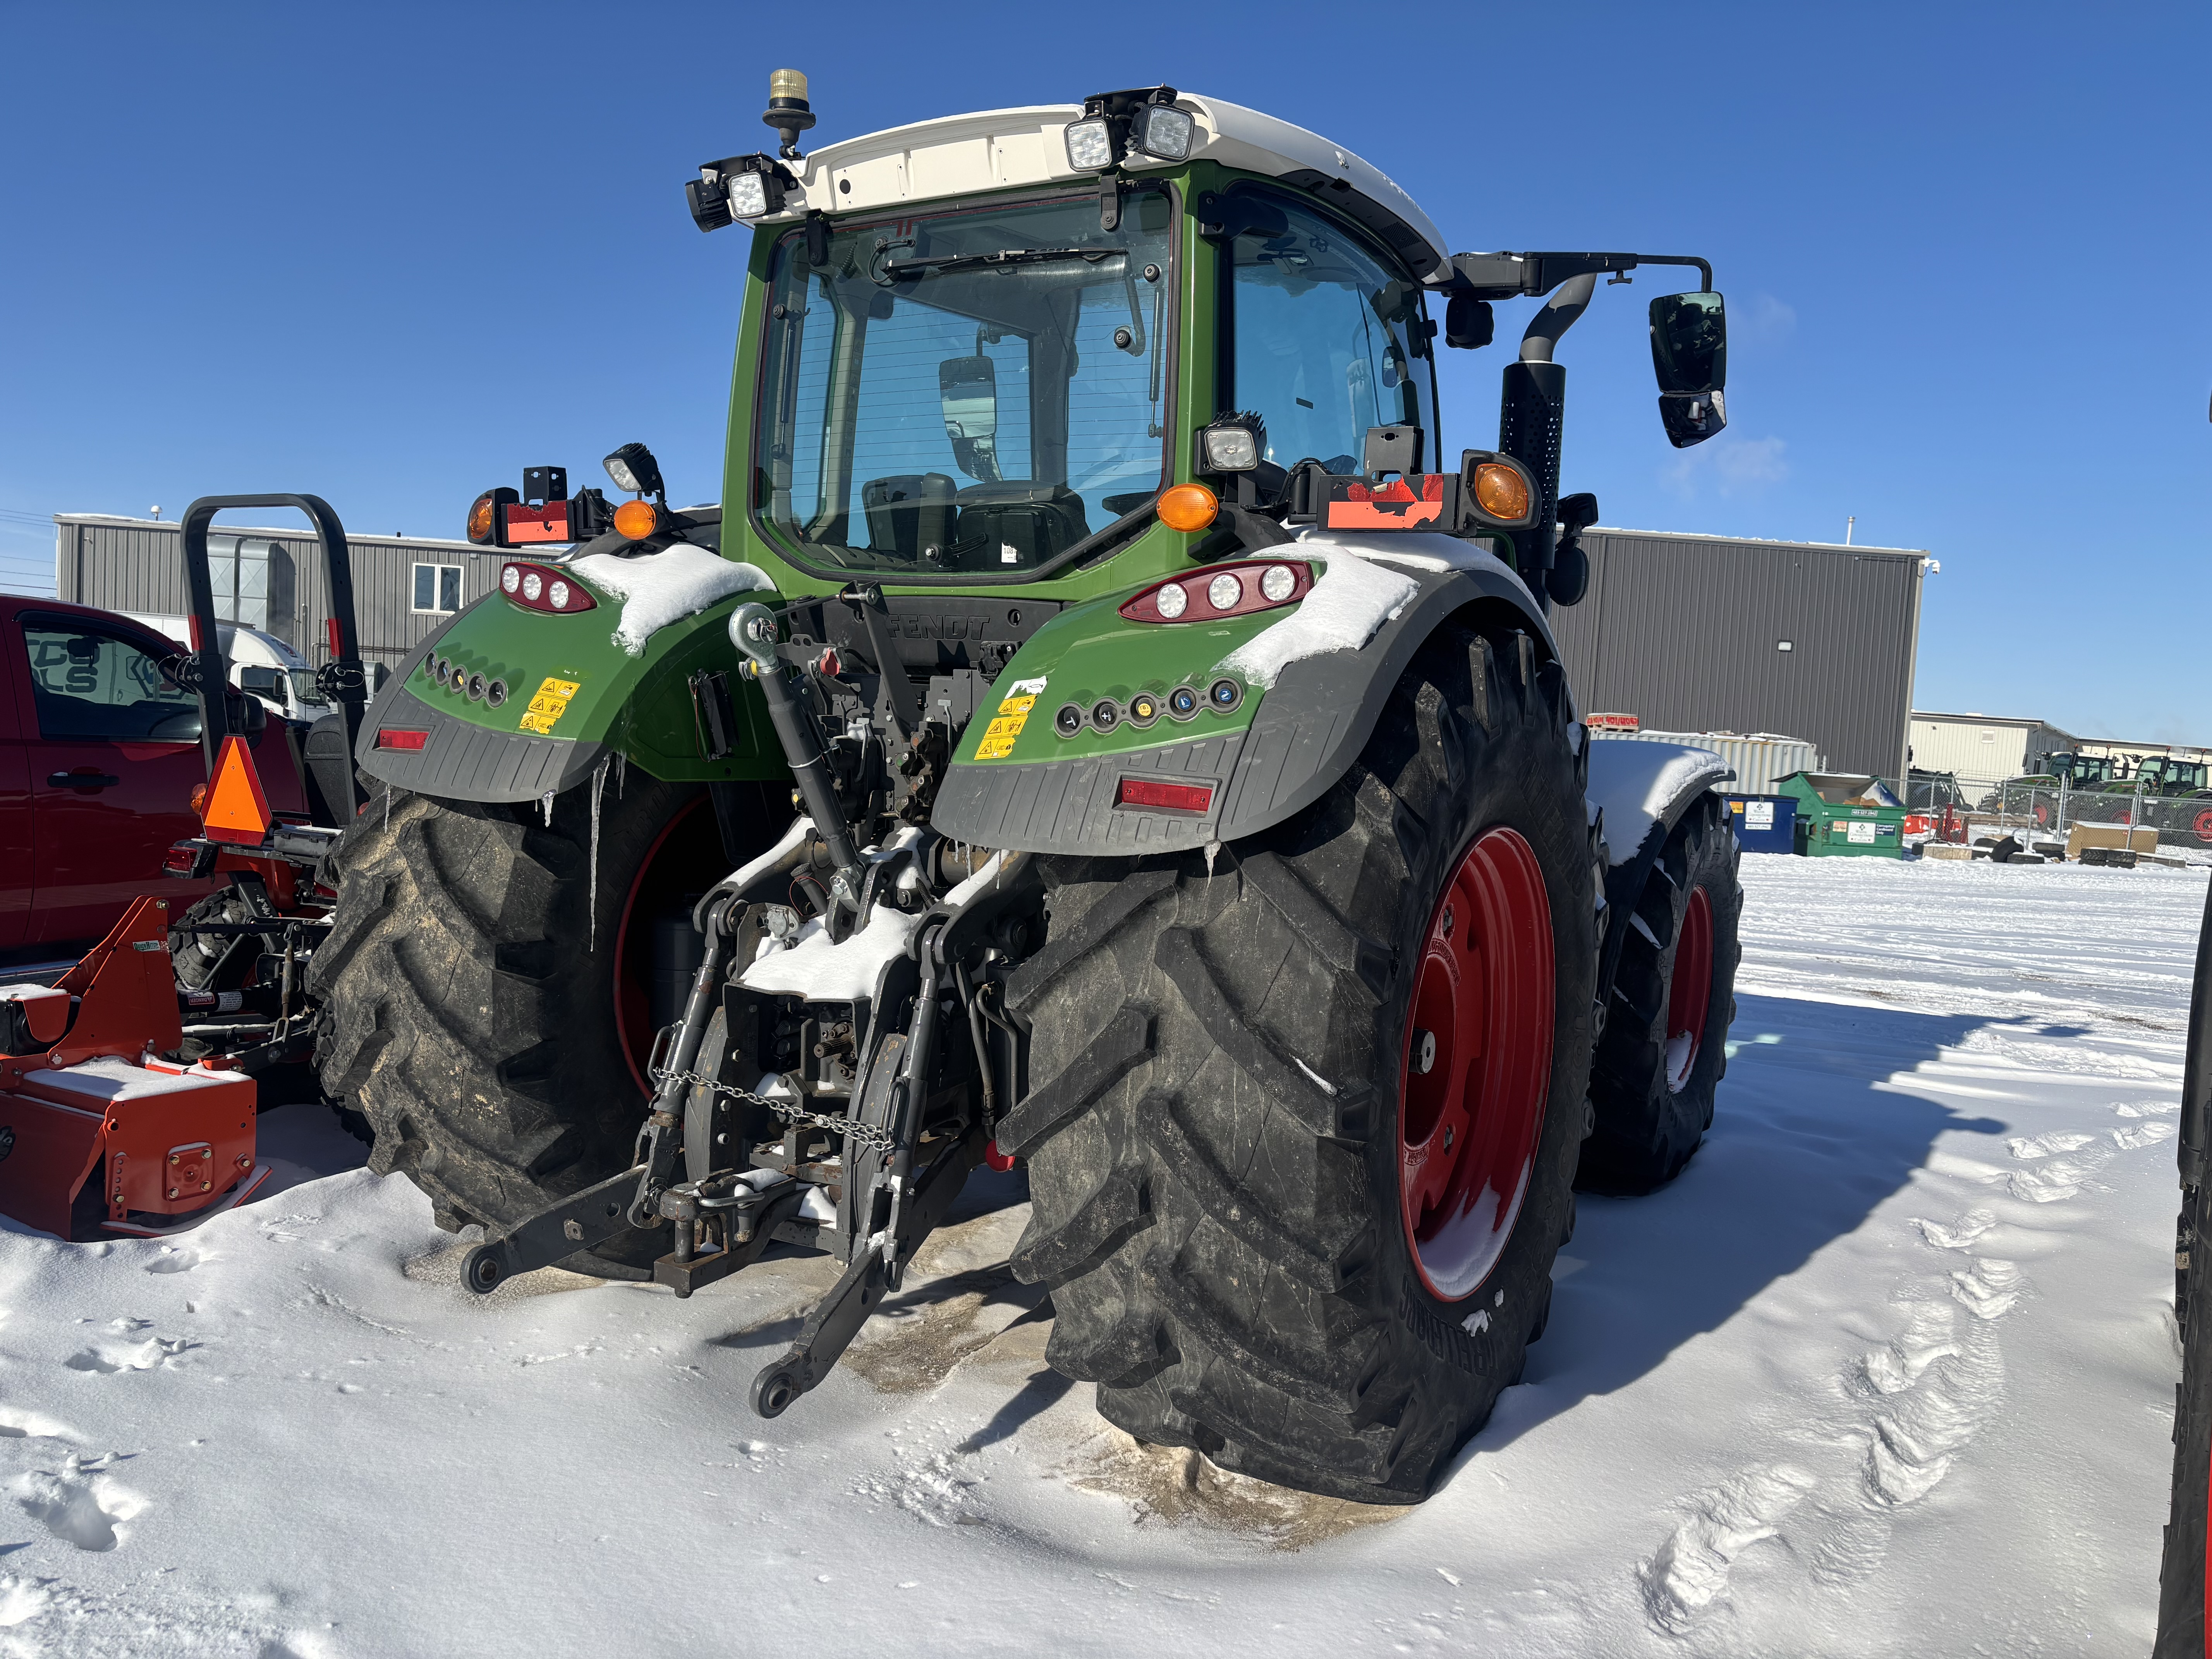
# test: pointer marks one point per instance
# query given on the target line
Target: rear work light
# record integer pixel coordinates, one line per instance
(1163, 797)
(394, 738)
(1222, 590)
(539, 587)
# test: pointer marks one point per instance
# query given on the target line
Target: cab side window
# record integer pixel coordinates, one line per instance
(88, 684)
(1326, 343)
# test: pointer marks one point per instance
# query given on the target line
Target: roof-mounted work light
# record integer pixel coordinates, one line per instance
(739, 187)
(1162, 131)
(1115, 124)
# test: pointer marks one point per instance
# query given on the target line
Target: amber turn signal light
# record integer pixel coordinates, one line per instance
(1188, 506)
(1501, 491)
(635, 520)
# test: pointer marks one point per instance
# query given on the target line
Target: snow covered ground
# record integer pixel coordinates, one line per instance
(1889, 1371)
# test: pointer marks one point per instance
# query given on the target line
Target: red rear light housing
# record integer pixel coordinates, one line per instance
(1151, 795)
(545, 587)
(1197, 590)
(400, 737)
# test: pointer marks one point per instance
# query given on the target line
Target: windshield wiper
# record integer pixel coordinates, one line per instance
(898, 268)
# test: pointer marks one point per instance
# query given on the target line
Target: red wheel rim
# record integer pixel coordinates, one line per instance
(1690, 993)
(2204, 826)
(1477, 1066)
(633, 1015)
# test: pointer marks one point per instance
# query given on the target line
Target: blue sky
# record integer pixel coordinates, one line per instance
(392, 255)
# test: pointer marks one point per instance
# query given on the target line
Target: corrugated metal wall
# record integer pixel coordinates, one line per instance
(122, 564)
(1685, 632)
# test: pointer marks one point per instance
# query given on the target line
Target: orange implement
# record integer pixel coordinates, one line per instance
(97, 1132)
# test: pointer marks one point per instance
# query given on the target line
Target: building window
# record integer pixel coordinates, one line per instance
(438, 588)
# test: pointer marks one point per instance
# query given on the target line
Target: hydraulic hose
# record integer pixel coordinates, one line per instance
(753, 631)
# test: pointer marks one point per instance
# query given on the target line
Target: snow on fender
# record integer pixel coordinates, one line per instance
(1641, 788)
(660, 588)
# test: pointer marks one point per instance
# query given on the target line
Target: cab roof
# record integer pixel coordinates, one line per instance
(965, 154)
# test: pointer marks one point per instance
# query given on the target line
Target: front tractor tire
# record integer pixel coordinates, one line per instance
(486, 999)
(1665, 1046)
(1302, 1126)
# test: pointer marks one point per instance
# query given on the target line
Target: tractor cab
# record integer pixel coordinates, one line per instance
(2168, 774)
(2078, 771)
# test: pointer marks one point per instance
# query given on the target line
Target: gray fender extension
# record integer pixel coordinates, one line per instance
(1625, 774)
(1310, 728)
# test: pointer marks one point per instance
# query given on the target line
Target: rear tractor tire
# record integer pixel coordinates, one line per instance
(1301, 1126)
(485, 999)
(1665, 1046)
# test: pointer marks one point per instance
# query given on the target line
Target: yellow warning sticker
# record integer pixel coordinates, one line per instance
(548, 705)
(997, 740)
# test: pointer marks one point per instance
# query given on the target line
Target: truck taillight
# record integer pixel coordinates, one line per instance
(1163, 797)
(400, 739)
(1222, 590)
(538, 587)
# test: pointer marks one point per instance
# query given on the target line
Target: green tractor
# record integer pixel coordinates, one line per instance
(1099, 729)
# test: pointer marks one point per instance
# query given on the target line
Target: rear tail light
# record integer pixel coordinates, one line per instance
(535, 587)
(1222, 590)
(1163, 797)
(178, 861)
(394, 738)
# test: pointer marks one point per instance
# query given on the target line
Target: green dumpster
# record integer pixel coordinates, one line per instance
(1846, 815)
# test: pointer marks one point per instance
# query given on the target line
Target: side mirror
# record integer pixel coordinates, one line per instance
(1691, 417)
(1689, 343)
(262, 682)
(968, 391)
(1689, 356)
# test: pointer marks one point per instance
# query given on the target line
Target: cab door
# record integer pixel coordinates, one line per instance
(16, 860)
(112, 766)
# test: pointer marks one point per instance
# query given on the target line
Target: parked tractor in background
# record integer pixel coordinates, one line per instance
(1099, 728)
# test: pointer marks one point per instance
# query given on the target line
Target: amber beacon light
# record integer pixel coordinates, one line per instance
(1188, 506)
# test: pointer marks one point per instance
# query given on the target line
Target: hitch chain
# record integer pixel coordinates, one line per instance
(868, 1134)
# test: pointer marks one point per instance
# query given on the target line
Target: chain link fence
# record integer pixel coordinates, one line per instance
(2045, 809)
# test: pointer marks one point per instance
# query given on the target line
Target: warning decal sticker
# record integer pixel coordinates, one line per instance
(547, 706)
(998, 739)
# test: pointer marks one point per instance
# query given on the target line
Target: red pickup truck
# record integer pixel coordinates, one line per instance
(99, 753)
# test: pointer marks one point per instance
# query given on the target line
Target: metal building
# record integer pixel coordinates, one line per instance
(1983, 748)
(1721, 633)
(403, 585)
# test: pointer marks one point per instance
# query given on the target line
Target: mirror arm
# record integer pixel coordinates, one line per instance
(1559, 314)
(1511, 275)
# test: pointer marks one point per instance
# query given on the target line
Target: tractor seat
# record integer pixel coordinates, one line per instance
(909, 515)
